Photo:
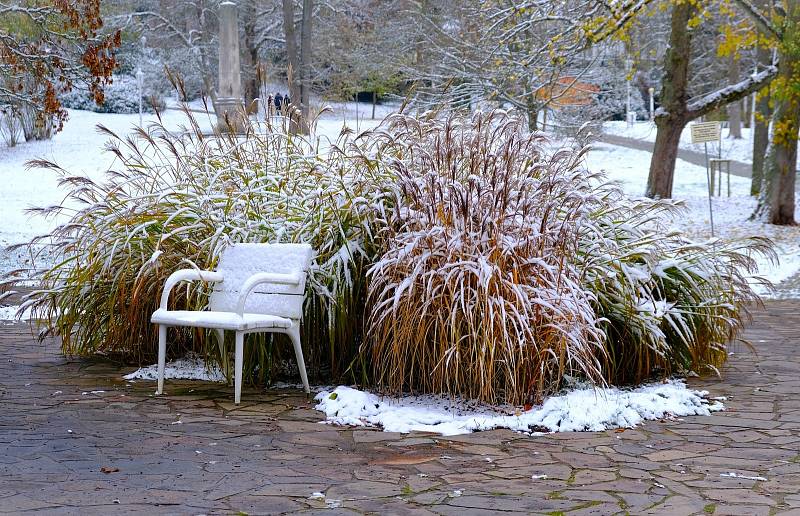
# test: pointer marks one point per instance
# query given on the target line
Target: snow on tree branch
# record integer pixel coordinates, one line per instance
(621, 13)
(732, 93)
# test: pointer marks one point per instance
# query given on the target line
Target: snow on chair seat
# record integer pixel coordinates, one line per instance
(218, 320)
(258, 288)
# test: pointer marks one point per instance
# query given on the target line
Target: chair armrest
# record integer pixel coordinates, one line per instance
(186, 275)
(261, 278)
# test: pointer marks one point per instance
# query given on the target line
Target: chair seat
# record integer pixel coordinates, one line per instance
(220, 320)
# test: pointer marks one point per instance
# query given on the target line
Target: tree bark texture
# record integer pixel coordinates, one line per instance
(306, 31)
(780, 168)
(205, 60)
(761, 129)
(293, 57)
(250, 61)
(734, 108)
(673, 101)
(533, 114)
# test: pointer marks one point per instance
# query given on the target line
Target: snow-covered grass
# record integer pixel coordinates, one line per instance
(468, 294)
(238, 207)
(190, 367)
(571, 275)
(739, 149)
(175, 200)
(78, 149)
(582, 409)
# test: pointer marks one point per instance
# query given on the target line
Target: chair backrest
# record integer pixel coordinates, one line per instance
(240, 261)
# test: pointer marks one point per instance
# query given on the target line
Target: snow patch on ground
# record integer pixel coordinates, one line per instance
(187, 368)
(732, 221)
(9, 313)
(583, 409)
(733, 474)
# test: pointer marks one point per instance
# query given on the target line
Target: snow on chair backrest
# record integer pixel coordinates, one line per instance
(240, 261)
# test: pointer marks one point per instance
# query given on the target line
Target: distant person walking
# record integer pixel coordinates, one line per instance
(278, 103)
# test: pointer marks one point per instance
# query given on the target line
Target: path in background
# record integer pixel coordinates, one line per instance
(75, 437)
(697, 158)
(788, 288)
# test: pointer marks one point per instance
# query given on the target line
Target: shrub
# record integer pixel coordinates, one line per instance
(454, 255)
(506, 270)
(121, 96)
(175, 201)
(476, 293)
(667, 304)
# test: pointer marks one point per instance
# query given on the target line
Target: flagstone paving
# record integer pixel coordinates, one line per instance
(76, 438)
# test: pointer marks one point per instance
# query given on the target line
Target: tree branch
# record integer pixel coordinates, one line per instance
(708, 103)
(760, 20)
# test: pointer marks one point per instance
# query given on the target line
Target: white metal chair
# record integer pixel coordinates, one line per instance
(257, 288)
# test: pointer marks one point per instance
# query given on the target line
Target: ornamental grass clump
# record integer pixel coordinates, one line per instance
(454, 255)
(504, 271)
(667, 304)
(173, 200)
(477, 292)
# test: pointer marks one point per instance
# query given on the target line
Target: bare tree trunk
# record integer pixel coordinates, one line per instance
(533, 113)
(250, 61)
(293, 57)
(780, 168)
(761, 129)
(673, 101)
(747, 117)
(205, 60)
(734, 108)
(780, 172)
(374, 101)
(665, 154)
(305, 65)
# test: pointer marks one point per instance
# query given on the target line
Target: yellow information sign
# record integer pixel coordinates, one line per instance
(703, 132)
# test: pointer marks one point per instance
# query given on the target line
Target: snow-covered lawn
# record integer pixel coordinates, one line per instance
(740, 149)
(9, 314)
(583, 409)
(732, 214)
(78, 149)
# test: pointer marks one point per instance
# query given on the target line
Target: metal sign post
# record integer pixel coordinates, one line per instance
(704, 132)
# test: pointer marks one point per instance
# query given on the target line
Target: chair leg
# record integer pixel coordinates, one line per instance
(162, 356)
(223, 357)
(237, 374)
(294, 334)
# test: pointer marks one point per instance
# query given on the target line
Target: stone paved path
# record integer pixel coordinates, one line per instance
(191, 452)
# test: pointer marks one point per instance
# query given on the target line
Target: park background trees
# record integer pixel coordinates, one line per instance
(702, 59)
(45, 49)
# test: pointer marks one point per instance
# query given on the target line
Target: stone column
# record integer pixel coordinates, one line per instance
(229, 91)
